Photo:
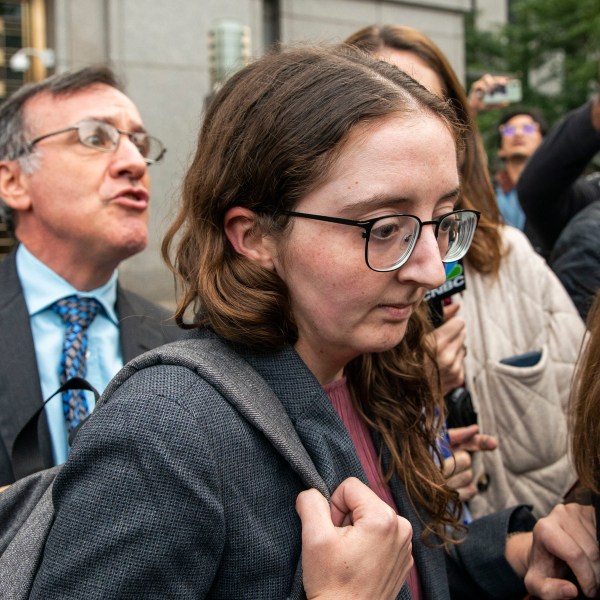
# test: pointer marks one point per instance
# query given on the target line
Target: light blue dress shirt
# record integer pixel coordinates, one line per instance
(510, 207)
(41, 288)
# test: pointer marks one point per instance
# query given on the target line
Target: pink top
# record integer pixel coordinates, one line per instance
(339, 394)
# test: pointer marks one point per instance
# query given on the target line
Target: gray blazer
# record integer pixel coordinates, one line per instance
(170, 492)
(143, 327)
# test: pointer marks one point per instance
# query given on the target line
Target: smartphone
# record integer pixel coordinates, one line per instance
(510, 92)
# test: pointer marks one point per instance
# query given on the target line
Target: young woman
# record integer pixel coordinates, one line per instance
(317, 211)
(513, 304)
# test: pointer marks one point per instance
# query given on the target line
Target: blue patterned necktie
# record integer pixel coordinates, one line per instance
(77, 313)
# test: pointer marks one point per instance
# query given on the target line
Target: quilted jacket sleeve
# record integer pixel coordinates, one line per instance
(525, 308)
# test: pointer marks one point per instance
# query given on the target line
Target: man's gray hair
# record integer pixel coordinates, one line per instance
(14, 130)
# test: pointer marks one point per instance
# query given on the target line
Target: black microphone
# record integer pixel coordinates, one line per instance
(459, 406)
(436, 299)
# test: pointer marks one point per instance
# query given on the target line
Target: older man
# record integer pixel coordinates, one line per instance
(74, 159)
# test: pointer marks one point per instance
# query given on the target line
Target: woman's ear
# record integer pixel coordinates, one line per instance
(242, 231)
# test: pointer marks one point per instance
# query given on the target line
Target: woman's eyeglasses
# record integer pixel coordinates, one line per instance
(390, 240)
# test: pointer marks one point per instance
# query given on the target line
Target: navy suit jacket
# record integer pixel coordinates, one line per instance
(143, 326)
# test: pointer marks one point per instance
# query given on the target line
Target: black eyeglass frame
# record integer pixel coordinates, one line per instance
(149, 161)
(368, 225)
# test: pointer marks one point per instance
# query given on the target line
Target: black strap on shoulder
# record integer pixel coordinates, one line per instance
(26, 453)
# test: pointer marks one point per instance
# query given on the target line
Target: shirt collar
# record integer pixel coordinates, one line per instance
(42, 286)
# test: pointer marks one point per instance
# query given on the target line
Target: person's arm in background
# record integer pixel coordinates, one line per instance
(488, 563)
(576, 256)
(562, 542)
(547, 189)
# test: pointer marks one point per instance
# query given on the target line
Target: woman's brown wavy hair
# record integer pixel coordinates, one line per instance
(270, 136)
(585, 406)
(477, 191)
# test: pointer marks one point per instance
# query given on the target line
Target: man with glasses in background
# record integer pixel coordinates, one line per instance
(520, 132)
(74, 158)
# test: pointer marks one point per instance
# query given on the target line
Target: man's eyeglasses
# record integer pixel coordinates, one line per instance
(391, 239)
(105, 137)
(527, 129)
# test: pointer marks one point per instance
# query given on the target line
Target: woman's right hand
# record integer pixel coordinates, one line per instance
(357, 548)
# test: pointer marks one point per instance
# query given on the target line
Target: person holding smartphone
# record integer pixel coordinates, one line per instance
(559, 191)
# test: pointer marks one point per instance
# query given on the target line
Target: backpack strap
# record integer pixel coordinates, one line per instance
(26, 456)
(247, 391)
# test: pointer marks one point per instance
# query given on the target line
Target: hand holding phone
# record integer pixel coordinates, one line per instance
(491, 91)
(504, 93)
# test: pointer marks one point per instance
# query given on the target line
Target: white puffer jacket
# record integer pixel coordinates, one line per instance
(525, 308)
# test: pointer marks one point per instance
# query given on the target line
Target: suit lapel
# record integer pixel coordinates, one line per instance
(256, 401)
(315, 420)
(137, 331)
(317, 423)
(20, 390)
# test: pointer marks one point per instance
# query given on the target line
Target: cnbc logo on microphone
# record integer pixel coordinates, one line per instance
(455, 282)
